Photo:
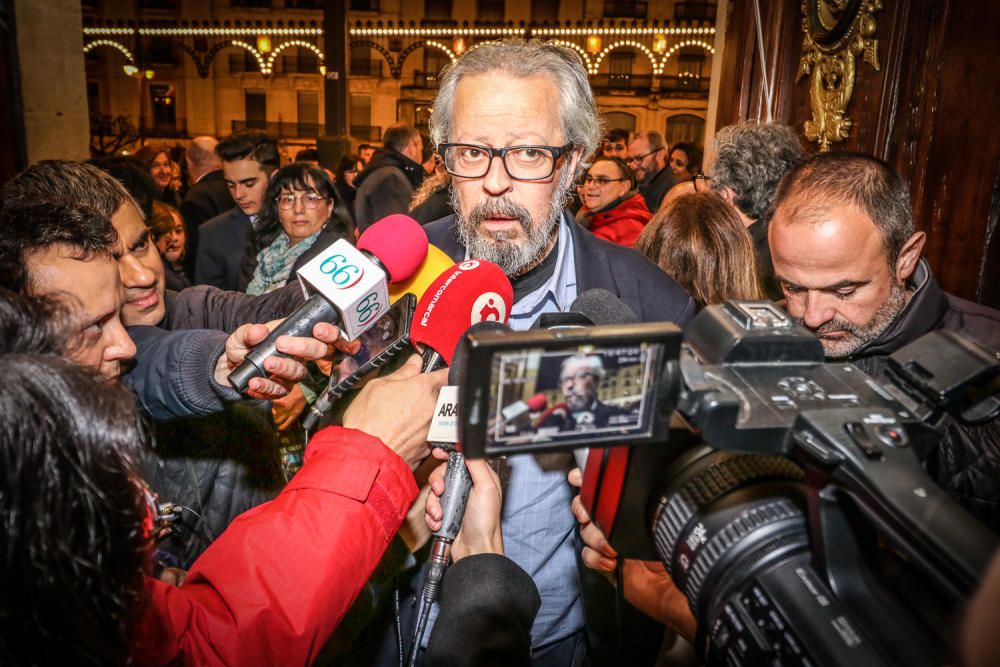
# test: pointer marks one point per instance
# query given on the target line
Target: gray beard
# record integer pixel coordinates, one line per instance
(513, 258)
(861, 335)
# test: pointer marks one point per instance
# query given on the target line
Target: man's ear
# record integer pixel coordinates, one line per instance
(906, 264)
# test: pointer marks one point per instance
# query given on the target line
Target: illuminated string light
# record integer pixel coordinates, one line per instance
(576, 47)
(439, 45)
(657, 67)
(112, 44)
(265, 66)
(680, 45)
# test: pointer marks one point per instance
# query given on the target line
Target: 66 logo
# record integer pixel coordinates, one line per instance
(368, 308)
(343, 274)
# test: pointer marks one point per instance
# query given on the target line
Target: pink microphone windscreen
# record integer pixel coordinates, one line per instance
(399, 242)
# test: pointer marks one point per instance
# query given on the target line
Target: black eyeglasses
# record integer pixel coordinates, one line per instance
(600, 181)
(522, 163)
(640, 158)
(700, 177)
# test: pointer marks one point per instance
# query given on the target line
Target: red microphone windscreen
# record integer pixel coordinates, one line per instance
(399, 242)
(469, 292)
(537, 402)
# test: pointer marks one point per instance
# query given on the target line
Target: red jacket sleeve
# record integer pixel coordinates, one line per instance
(273, 587)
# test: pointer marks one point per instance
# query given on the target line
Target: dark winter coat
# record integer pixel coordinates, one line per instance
(967, 462)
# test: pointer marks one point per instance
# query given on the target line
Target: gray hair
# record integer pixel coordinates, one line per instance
(591, 362)
(652, 137)
(582, 125)
(750, 159)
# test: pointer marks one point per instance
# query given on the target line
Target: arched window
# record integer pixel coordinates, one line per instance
(685, 127)
(625, 121)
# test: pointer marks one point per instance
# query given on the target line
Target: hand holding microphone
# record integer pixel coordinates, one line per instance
(480, 529)
(349, 286)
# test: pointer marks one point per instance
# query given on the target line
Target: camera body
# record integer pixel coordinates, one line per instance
(809, 533)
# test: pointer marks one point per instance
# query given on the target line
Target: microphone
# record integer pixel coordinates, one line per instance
(517, 412)
(602, 307)
(468, 292)
(349, 286)
(457, 481)
(435, 263)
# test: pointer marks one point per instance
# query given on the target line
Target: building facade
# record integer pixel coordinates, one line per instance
(173, 69)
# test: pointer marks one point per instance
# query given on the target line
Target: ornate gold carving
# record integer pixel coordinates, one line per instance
(836, 33)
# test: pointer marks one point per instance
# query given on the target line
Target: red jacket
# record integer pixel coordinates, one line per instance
(272, 588)
(623, 223)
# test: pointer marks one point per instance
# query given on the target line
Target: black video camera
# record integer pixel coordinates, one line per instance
(785, 495)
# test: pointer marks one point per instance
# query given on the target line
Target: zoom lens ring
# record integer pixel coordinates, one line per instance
(723, 541)
(720, 477)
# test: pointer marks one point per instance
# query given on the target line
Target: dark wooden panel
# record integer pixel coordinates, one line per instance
(931, 111)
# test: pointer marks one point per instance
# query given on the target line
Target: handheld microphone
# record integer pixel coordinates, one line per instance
(468, 292)
(457, 486)
(518, 409)
(349, 285)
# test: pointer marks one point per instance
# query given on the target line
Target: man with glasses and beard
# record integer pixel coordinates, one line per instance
(847, 257)
(514, 123)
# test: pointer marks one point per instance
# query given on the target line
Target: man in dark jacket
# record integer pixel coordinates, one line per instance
(388, 182)
(514, 123)
(848, 259)
(647, 155)
(248, 160)
(208, 195)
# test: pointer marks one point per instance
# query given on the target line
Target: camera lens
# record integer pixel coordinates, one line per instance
(722, 519)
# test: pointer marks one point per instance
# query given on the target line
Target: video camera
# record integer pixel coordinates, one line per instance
(786, 496)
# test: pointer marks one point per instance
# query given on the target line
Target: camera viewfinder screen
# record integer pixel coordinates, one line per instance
(571, 395)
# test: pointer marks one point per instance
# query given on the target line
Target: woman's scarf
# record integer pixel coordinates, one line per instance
(274, 263)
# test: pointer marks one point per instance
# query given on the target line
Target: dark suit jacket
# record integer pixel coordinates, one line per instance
(651, 294)
(206, 199)
(224, 240)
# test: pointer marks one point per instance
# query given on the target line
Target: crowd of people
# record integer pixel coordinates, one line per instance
(147, 518)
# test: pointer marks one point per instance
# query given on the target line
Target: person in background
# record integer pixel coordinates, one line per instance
(432, 200)
(365, 152)
(347, 170)
(297, 217)
(208, 195)
(685, 160)
(647, 156)
(612, 208)
(388, 182)
(156, 160)
(167, 230)
(616, 144)
(699, 241)
(747, 165)
(310, 155)
(248, 160)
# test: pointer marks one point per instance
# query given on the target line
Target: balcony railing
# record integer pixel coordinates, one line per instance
(287, 130)
(642, 84)
(625, 9)
(282, 65)
(694, 11)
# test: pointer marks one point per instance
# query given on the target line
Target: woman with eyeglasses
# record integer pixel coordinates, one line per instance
(612, 207)
(297, 222)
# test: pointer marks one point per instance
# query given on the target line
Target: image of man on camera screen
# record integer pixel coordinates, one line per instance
(577, 390)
